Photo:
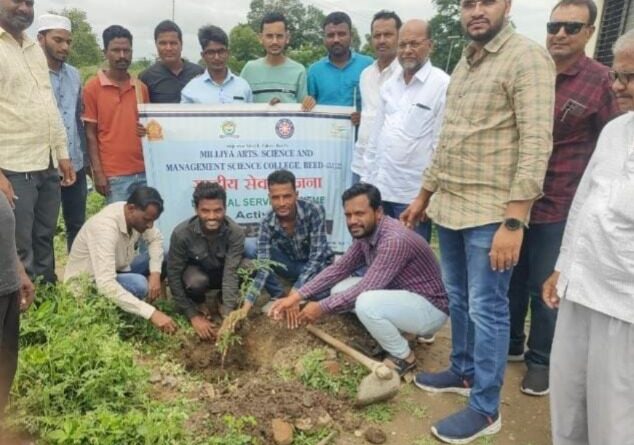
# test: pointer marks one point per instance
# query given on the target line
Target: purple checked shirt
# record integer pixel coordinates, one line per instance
(397, 258)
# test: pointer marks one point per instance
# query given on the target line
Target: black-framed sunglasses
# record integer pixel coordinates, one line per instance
(623, 77)
(571, 28)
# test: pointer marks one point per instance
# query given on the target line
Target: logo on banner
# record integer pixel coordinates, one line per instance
(228, 129)
(285, 128)
(154, 131)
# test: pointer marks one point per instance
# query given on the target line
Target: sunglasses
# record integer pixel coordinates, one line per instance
(571, 28)
(623, 77)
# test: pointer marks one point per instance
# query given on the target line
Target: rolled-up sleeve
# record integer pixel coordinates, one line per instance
(533, 101)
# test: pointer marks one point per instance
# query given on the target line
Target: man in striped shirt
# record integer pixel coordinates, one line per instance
(401, 291)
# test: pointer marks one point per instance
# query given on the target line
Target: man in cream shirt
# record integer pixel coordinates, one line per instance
(104, 249)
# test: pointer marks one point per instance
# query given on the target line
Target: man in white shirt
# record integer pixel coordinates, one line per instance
(407, 123)
(104, 249)
(384, 39)
(592, 358)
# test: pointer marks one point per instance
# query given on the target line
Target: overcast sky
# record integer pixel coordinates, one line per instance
(141, 16)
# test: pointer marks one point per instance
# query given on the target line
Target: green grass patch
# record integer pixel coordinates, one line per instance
(379, 413)
(314, 375)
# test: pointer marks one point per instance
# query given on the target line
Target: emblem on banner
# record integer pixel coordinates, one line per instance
(339, 131)
(154, 131)
(228, 128)
(285, 128)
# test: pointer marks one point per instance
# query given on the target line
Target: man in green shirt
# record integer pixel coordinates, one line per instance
(275, 78)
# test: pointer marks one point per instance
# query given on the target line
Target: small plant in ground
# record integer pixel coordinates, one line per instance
(310, 437)
(379, 413)
(227, 336)
(415, 409)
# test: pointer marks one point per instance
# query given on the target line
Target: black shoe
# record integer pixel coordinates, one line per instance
(535, 381)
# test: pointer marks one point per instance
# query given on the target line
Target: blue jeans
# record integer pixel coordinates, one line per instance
(395, 209)
(386, 313)
(74, 206)
(135, 280)
(540, 250)
(479, 310)
(121, 187)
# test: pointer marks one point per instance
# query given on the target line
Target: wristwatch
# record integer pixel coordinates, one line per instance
(513, 224)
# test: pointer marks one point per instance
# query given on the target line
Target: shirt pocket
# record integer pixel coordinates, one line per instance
(418, 120)
(485, 100)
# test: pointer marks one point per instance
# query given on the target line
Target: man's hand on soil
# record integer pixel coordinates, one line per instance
(203, 327)
(311, 313)
(163, 322)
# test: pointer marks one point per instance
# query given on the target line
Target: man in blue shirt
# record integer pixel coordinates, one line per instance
(54, 36)
(334, 79)
(217, 85)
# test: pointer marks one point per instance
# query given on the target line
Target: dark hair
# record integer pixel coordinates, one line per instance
(273, 17)
(336, 18)
(592, 8)
(167, 26)
(386, 15)
(115, 32)
(142, 197)
(363, 188)
(209, 190)
(211, 33)
(281, 177)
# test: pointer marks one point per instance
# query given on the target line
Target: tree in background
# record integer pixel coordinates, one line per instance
(85, 50)
(447, 34)
(244, 45)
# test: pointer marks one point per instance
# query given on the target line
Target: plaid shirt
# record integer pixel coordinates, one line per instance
(308, 244)
(397, 258)
(584, 103)
(497, 132)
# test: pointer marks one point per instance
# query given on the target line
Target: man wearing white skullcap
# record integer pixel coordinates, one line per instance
(34, 142)
(54, 35)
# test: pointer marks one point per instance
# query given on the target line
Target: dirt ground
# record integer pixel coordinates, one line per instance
(258, 381)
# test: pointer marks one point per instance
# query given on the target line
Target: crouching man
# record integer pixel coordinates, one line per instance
(205, 253)
(105, 250)
(401, 292)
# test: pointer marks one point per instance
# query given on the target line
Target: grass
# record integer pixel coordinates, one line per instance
(414, 409)
(379, 413)
(78, 383)
(314, 375)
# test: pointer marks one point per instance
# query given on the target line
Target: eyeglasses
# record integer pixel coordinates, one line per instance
(622, 76)
(571, 28)
(415, 44)
(471, 4)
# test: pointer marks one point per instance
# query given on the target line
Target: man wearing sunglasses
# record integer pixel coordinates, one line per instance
(584, 104)
(592, 365)
(485, 175)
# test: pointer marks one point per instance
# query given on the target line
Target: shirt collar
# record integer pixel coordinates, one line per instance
(229, 78)
(422, 74)
(61, 71)
(105, 81)
(495, 44)
(26, 40)
(576, 67)
(352, 58)
(373, 239)
(123, 226)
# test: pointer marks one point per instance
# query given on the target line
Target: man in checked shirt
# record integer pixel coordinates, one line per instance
(293, 234)
(401, 291)
(584, 103)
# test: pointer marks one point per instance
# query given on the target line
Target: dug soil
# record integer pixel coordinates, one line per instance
(260, 380)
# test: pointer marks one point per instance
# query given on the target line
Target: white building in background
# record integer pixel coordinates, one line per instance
(615, 18)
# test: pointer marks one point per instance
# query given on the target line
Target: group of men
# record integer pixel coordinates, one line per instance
(493, 156)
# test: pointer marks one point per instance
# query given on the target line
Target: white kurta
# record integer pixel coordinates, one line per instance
(597, 254)
(406, 132)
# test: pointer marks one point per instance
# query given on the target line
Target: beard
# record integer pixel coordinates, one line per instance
(18, 22)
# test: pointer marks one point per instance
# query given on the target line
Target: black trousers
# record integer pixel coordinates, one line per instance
(9, 333)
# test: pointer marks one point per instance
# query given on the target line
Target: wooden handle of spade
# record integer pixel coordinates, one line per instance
(341, 346)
